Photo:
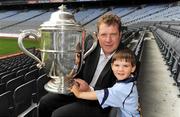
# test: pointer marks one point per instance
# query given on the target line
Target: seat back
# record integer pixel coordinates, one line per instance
(8, 77)
(32, 113)
(22, 71)
(2, 88)
(113, 112)
(41, 81)
(23, 96)
(6, 104)
(31, 75)
(3, 73)
(12, 84)
(17, 68)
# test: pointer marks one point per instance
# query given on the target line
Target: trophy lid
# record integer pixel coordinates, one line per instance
(62, 20)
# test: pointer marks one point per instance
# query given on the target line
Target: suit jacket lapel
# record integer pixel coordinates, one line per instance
(103, 73)
(92, 64)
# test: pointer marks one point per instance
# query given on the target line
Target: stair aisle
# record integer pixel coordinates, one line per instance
(158, 95)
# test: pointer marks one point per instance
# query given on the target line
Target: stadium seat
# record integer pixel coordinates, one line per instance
(12, 84)
(6, 104)
(23, 96)
(8, 77)
(176, 75)
(33, 74)
(2, 87)
(42, 71)
(22, 71)
(3, 73)
(41, 81)
(28, 64)
(16, 69)
(174, 66)
(32, 113)
(113, 112)
(32, 67)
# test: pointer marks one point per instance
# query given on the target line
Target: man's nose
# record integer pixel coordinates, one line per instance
(108, 38)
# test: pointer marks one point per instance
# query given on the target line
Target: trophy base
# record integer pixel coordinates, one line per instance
(56, 88)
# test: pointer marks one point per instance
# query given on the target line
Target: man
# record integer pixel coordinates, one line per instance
(95, 74)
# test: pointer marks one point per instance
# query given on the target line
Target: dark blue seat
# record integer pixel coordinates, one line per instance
(113, 112)
(2, 87)
(6, 104)
(12, 84)
(23, 97)
(32, 113)
(8, 77)
(4, 73)
(22, 71)
(40, 82)
(16, 69)
(33, 74)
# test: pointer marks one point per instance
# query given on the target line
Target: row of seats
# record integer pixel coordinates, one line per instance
(21, 85)
(137, 47)
(172, 30)
(169, 46)
(24, 75)
(15, 21)
(20, 97)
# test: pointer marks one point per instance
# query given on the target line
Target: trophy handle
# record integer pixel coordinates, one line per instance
(27, 33)
(95, 41)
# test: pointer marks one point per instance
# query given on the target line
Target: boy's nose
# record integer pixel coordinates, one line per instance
(120, 68)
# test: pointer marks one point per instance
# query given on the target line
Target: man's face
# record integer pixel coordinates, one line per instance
(109, 38)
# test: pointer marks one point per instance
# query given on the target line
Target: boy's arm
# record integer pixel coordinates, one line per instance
(91, 95)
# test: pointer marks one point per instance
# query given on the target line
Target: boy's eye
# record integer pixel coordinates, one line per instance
(125, 65)
(116, 65)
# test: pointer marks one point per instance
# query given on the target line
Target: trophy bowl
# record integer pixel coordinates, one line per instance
(61, 49)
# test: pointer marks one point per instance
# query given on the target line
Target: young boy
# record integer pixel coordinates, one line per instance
(124, 93)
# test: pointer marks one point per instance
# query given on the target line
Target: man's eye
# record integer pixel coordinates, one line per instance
(103, 35)
(113, 35)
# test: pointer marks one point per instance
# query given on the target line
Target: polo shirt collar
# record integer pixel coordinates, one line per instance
(127, 80)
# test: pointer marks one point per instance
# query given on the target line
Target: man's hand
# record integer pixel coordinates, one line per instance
(83, 86)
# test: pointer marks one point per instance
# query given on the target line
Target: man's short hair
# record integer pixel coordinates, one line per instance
(109, 19)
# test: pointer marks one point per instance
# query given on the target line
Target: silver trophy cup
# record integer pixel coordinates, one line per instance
(61, 48)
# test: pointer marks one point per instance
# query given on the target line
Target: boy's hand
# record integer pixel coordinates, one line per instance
(83, 86)
(75, 89)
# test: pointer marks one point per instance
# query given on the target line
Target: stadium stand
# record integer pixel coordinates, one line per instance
(168, 45)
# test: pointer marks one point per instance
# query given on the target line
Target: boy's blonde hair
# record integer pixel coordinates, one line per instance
(125, 54)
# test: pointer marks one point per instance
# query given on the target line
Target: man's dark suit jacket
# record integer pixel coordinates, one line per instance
(106, 78)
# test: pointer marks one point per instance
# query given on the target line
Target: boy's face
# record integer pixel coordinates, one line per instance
(122, 69)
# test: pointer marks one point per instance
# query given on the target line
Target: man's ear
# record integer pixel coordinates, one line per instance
(97, 35)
